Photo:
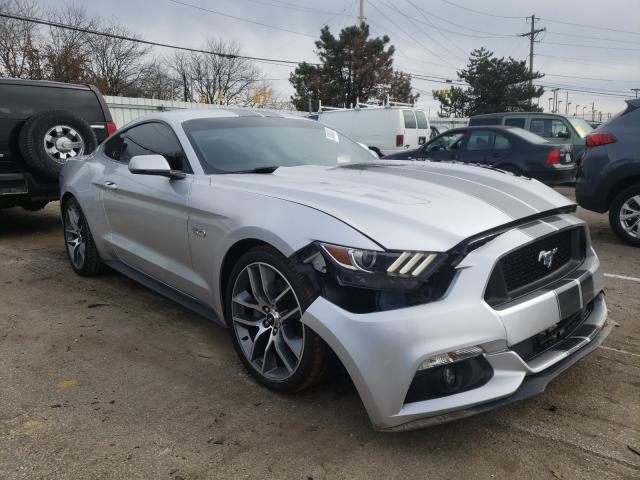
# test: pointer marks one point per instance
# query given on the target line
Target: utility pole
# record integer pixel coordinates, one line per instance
(550, 100)
(532, 39)
(636, 90)
(576, 111)
(593, 111)
(555, 100)
(566, 104)
(583, 109)
(361, 16)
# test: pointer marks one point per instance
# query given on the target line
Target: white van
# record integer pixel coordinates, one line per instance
(384, 130)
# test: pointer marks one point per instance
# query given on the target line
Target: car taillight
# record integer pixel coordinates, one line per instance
(595, 139)
(553, 157)
(111, 128)
(399, 140)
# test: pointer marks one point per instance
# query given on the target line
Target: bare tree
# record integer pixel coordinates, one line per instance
(180, 67)
(156, 81)
(212, 78)
(116, 64)
(19, 55)
(67, 53)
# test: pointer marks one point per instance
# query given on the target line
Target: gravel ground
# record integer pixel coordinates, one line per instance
(100, 378)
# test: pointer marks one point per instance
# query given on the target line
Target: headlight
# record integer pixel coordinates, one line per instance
(409, 265)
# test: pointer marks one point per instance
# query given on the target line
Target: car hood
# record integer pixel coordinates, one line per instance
(407, 205)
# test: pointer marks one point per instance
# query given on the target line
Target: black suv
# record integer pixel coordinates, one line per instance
(42, 124)
(609, 173)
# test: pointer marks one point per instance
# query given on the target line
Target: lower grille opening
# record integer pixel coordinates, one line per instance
(449, 379)
(541, 342)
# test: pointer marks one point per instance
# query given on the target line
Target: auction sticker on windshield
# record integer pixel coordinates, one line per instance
(331, 134)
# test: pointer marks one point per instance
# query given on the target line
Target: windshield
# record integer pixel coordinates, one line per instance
(581, 126)
(527, 135)
(234, 144)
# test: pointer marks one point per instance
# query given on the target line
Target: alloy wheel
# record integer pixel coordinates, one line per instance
(74, 236)
(63, 142)
(266, 317)
(630, 216)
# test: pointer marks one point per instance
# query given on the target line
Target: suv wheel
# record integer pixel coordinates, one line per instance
(624, 215)
(49, 139)
(265, 301)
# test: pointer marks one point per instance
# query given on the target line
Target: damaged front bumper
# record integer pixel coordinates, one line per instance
(383, 351)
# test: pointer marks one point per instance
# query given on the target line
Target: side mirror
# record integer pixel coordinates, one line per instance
(564, 134)
(153, 165)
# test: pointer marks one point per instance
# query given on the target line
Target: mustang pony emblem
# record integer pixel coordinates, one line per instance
(546, 257)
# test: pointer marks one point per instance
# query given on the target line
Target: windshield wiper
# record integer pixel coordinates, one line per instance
(258, 170)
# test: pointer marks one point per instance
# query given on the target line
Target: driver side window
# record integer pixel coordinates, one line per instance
(446, 142)
(148, 139)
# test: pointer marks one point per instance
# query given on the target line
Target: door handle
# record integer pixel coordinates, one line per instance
(110, 185)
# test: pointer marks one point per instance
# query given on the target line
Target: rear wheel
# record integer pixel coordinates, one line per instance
(265, 301)
(624, 215)
(81, 249)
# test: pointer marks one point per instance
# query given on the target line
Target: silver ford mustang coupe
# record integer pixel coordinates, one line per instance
(443, 289)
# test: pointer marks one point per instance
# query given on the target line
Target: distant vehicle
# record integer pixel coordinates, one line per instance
(384, 129)
(559, 129)
(507, 148)
(42, 125)
(609, 174)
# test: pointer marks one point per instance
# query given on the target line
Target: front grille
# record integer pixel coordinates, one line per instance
(523, 270)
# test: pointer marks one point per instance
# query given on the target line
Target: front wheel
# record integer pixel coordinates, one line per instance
(81, 249)
(624, 215)
(265, 301)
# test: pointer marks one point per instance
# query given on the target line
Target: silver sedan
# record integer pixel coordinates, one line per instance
(443, 289)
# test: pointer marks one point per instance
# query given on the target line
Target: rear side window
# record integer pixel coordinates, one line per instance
(148, 139)
(480, 140)
(422, 120)
(23, 101)
(515, 122)
(83, 103)
(409, 119)
(548, 127)
(113, 147)
(501, 143)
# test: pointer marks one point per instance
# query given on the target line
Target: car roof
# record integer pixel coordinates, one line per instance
(42, 83)
(504, 114)
(482, 127)
(177, 117)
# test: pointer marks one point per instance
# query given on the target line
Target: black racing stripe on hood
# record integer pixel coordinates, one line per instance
(509, 205)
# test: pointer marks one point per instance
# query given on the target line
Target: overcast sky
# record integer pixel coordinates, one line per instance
(420, 46)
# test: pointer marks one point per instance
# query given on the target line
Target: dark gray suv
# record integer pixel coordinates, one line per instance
(609, 173)
(42, 125)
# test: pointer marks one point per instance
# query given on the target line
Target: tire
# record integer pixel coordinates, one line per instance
(293, 356)
(34, 206)
(48, 139)
(81, 249)
(626, 203)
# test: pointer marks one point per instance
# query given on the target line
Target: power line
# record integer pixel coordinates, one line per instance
(423, 15)
(145, 42)
(293, 6)
(482, 13)
(409, 36)
(582, 25)
(563, 34)
(429, 37)
(593, 46)
(215, 12)
(588, 61)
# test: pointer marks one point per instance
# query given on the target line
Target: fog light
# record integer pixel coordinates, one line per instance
(450, 357)
(451, 378)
